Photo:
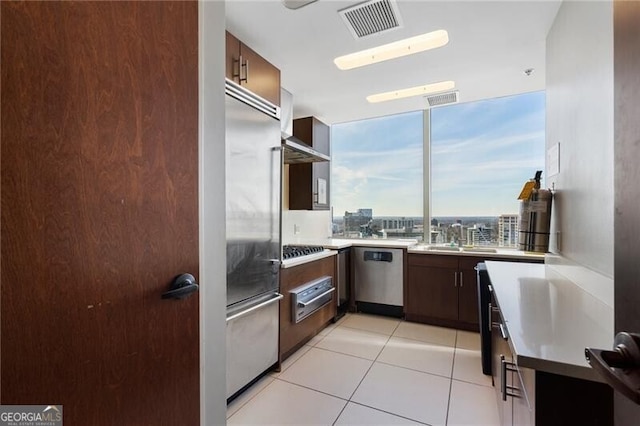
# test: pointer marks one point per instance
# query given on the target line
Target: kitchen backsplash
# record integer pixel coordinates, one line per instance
(301, 225)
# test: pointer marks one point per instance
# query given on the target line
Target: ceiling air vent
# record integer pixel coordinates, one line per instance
(371, 17)
(442, 99)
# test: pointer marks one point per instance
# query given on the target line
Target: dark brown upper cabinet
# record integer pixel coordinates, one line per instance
(245, 67)
(309, 182)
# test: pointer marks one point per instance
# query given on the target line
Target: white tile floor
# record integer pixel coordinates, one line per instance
(371, 370)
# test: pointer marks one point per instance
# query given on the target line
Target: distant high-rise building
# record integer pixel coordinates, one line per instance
(354, 222)
(479, 235)
(508, 230)
(397, 223)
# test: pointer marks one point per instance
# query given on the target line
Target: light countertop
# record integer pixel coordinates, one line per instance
(338, 243)
(288, 263)
(411, 245)
(477, 252)
(550, 320)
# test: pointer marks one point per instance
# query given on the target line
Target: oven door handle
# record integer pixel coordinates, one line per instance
(307, 303)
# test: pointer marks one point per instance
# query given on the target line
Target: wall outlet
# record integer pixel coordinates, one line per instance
(296, 229)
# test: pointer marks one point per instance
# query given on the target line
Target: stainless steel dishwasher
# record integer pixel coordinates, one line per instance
(378, 276)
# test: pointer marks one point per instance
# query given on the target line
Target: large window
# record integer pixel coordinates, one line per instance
(481, 153)
(376, 177)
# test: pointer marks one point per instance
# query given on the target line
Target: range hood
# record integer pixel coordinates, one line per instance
(295, 151)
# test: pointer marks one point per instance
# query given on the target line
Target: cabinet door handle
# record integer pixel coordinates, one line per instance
(246, 69)
(237, 62)
(504, 388)
(489, 317)
(241, 64)
(503, 332)
(455, 278)
(461, 279)
(503, 377)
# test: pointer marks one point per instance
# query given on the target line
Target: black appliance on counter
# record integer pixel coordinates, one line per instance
(484, 312)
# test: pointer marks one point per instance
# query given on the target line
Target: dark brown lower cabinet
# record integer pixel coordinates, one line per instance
(441, 290)
(431, 292)
(292, 335)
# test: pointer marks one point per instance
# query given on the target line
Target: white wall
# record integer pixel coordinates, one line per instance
(579, 81)
(213, 289)
(305, 226)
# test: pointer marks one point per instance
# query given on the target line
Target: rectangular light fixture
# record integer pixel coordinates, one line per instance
(397, 49)
(412, 91)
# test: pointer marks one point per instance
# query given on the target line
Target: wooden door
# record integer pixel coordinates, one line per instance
(99, 209)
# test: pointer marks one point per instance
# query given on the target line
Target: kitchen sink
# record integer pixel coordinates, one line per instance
(480, 249)
(463, 249)
(443, 248)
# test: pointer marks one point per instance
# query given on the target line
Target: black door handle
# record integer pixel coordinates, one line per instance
(620, 367)
(181, 287)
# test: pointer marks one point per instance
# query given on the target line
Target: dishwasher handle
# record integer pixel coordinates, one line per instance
(378, 256)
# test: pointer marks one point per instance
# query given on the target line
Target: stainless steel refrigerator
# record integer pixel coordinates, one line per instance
(253, 171)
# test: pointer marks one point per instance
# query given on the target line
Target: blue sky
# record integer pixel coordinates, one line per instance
(481, 155)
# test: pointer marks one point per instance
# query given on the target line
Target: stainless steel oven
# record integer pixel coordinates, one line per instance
(309, 297)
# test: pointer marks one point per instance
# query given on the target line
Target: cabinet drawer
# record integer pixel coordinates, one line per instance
(433, 260)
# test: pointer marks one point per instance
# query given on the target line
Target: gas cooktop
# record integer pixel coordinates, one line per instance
(291, 251)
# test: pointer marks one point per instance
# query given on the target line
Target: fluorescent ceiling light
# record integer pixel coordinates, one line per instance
(393, 50)
(296, 4)
(412, 91)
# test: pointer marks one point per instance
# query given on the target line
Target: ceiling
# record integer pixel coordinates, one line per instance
(490, 45)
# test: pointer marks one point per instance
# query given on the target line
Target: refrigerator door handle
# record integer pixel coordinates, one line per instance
(275, 266)
(277, 297)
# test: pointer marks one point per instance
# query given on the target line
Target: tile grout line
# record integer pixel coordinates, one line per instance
(366, 331)
(340, 413)
(312, 389)
(374, 361)
(350, 355)
(365, 375)
(413, 369)
(390, 413)
(453, 365)
(342, 353)
(273, 379)
(378, 356)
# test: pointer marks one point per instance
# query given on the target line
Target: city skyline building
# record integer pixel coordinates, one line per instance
(493, 231)
(508, 229)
